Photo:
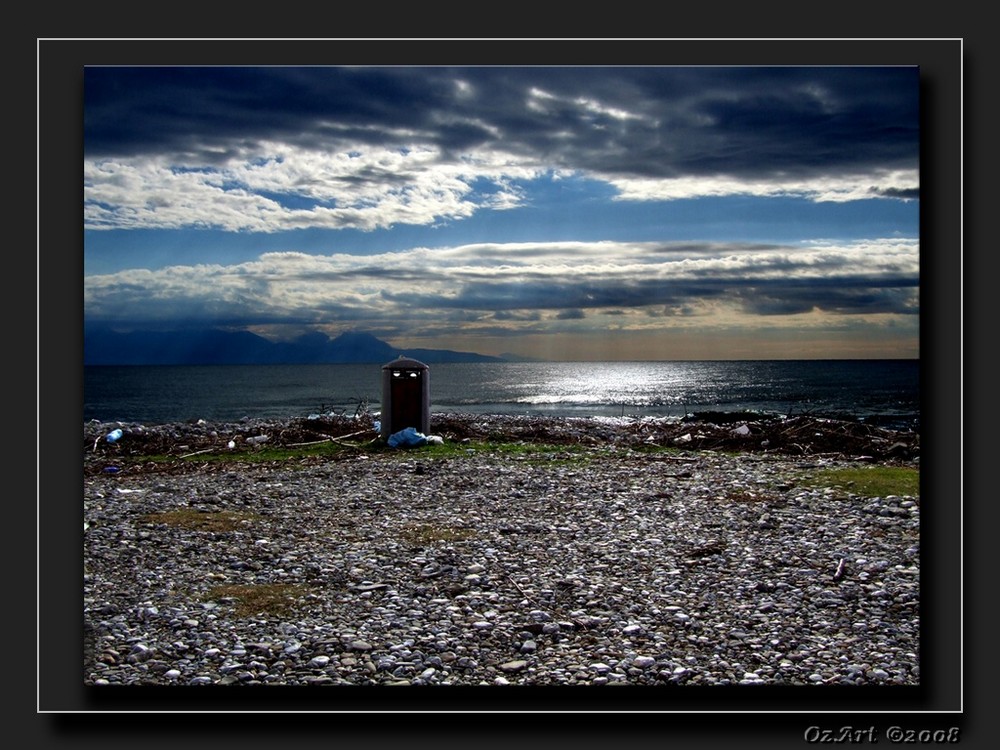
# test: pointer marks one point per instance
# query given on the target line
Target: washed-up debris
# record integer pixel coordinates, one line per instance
(751, 432)
(408, 437)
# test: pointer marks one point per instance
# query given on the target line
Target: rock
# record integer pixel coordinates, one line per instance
(591, 562)
(513, 666)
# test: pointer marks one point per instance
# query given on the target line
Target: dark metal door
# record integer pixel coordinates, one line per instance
(407, 401)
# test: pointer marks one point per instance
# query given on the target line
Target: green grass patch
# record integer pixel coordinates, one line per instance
(514, 450)
(198, 520)
(658, 449)
(272, 599)
(270, 454)
(257, 454)
(870, 481)
(523, 450)
(541, 454)
(427, 533)
(742, 496)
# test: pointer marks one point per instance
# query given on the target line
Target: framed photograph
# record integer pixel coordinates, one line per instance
(565, 377)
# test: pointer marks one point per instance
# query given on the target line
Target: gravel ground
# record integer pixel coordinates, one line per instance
(584, 557)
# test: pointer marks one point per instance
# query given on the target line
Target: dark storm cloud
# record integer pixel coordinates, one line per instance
(792, 301)
(897, 193)
(841, 295)
(645, 122)
(209, 111)
(521, 316)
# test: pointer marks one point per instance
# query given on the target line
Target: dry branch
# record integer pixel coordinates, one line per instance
(188, 455)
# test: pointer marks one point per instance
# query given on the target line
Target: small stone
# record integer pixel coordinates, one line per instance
(638, 568)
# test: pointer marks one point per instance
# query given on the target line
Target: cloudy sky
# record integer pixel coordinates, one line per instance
(573, 213)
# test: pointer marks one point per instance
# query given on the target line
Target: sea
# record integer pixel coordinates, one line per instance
(884, 392)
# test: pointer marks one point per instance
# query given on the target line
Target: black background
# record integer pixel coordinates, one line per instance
(952, 564)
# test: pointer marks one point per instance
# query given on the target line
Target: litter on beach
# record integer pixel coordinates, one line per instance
(408, 437)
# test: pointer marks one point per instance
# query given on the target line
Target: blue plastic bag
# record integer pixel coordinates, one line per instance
(408, 437)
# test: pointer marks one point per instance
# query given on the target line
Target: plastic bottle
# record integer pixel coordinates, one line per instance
(113, 436)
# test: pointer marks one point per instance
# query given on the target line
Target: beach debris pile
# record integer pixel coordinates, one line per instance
(740, 432)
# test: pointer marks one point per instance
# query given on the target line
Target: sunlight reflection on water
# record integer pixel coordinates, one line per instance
(177, 393)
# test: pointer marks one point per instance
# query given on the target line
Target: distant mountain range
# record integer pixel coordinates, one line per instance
(215, 347)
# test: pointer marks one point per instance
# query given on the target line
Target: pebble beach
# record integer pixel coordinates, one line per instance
(519, 552)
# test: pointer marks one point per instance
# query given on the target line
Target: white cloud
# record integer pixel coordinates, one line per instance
(359, 188)
(281, 187)
(520, 278)
(837, 188)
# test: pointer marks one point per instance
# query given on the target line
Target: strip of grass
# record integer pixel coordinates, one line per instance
(244, 456)
(272, 599)
(869, 481)
(547, 453)
(427, 533)
(270, 454)
(743, 496)
(197, 520)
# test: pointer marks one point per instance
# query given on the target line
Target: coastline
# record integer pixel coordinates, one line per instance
(727, 431)
(590, 556)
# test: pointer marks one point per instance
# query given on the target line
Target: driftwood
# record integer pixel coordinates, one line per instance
(331, 439)
(310, 442)
(799, 436)
(355, 446)
(197, 453)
